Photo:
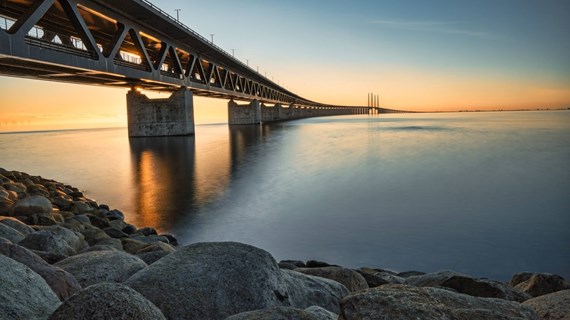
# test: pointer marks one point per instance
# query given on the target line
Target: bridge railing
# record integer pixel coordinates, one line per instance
(201, 37)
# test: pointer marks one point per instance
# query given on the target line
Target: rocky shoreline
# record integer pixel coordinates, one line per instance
(64, 256)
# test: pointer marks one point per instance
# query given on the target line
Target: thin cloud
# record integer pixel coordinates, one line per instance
(431, 26)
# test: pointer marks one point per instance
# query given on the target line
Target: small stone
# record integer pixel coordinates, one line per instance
(132, 246)
(318, 264)
(351, 279)
(539, 284)
(114, 233)
(80, 207)
(147, 231)
(100, 223)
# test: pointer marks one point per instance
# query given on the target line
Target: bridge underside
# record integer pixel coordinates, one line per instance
(132, 43)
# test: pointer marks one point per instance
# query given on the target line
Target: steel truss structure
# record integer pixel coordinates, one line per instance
(124, 43)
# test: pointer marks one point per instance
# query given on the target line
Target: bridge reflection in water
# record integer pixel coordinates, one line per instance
(175, 176)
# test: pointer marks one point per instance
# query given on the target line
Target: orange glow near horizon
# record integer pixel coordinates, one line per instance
(78, 106)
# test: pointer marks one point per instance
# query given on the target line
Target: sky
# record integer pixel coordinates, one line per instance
(420, 55)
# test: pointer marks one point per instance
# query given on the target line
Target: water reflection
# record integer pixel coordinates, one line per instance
(163, 174)
(176, 176)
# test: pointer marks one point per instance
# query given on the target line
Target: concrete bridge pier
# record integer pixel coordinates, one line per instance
(173, 116)
(244, 114)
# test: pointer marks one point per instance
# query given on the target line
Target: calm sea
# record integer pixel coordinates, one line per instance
(487, 194)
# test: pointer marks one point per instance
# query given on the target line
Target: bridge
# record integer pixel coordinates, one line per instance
(134, 44)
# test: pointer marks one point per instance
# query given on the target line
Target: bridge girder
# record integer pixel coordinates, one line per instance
(124, 43)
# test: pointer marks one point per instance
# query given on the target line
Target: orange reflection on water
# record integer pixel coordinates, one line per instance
(148, 189)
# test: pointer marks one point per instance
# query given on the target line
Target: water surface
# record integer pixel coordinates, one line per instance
(480, 193)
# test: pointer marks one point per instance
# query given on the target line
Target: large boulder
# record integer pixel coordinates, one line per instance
(552, 306)
(23, 293)
(538, 284)
(101, 266)
(304, 291)
(55, 239)
(107, 301)
(404, 302)
(59, 280)
(31, 205)
(211, 281)
(285, 313)
(351, 279)
(467, 285)
(375, 277)
(216, 280)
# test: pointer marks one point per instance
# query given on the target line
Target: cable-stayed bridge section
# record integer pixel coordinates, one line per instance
(132, 43)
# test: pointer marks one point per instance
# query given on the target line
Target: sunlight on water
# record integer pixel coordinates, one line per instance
(485, 194)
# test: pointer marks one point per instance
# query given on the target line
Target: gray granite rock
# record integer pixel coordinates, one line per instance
(11, 234)
(211, 281)
(23, 293)
(464, 284)
(304, 291)
(351, 279)
(60, 281)
(277, 313)
(31, 205)
(402, 302)
(107, 301)
(552, 306)
(55, 239)
(538, 284)
(101, 266)
(17, 225)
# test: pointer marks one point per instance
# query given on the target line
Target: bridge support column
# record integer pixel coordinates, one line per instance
(173, 116)
(244, 114)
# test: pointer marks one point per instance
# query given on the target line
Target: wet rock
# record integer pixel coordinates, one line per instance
(537, 284)
(23, 293)
(101, 266)
(467, 285)
(281, 313)
(171, 239)
(552, 306)
(304, 291)
(211, 281)
(54, 239)
(60, 281)
(107, 301)
(31, 205)
(351, 279)
(397, 302)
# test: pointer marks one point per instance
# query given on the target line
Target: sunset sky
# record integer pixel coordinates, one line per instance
(416, 54)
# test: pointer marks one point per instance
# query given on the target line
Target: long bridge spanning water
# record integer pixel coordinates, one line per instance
(132, 43)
